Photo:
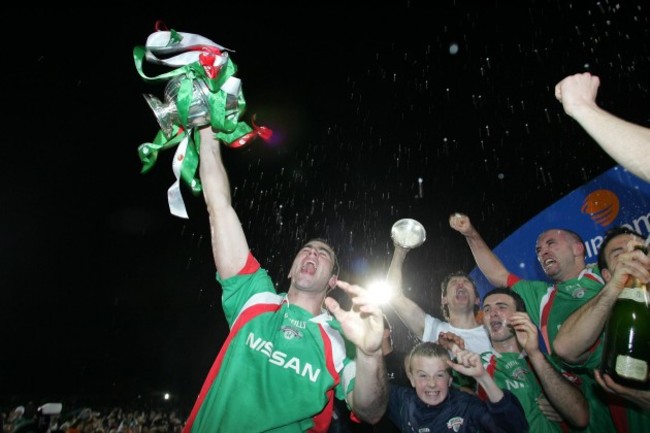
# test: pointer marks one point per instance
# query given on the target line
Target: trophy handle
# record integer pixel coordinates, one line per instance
(163, 112)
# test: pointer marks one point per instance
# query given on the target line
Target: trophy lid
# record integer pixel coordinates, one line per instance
(408, 233)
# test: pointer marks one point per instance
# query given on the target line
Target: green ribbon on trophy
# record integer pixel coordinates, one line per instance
(200, 90)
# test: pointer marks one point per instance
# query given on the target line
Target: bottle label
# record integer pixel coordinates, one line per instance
(631, 368)
(636, 294)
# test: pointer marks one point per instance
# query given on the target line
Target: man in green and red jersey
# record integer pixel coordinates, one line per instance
(579, 341)
(517, 364)
(284, 360)
(561, 253)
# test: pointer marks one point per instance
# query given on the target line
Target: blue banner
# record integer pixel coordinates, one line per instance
(617, 197)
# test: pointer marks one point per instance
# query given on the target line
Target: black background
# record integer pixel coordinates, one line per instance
(105, 293)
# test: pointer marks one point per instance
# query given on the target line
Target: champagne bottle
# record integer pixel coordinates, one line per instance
(626, 348)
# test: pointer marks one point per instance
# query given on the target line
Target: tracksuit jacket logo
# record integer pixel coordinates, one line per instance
(455, 423)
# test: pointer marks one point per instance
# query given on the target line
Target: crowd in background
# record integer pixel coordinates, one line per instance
(140, 418)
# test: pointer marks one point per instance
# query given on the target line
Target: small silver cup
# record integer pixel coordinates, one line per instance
(408, 233)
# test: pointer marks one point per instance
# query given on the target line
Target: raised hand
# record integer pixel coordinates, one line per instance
(363, 324)
(461, 223)
(467, 363)
(525, 331)
(448, 340)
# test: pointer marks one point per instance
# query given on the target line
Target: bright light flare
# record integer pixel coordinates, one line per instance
(381, 291)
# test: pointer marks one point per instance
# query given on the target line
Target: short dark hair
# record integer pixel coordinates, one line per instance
(520, 305)
(576, 237)
(609, 236)
(443, 290)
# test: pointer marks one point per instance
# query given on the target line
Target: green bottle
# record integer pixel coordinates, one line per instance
(626, 348)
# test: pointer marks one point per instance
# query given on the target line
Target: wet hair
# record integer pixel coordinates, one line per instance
(520, 305)
(335, 268)
(609, 235)
(445, 284)
(429, 349)
(576, 237)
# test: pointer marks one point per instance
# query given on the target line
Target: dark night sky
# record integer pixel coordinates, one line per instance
(105, 292)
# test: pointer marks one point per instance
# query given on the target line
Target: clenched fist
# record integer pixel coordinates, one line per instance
(461, 223)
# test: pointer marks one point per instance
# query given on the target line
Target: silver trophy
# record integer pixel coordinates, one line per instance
(199, 110)
(408, 233)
